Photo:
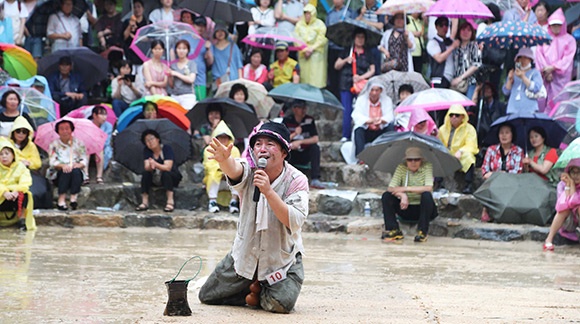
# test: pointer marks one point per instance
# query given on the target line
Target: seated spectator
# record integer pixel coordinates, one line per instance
(460, 138)
(541, 157)
(502, 157)
(372, 116)
(255, 70)
(227, 63)
(356, 66)
(313, 59)
(124, 89)
(405, 90)
(159, 170)
(524, 85)
(16, 203)
(64, 28)
(27, 153)
(566, 205)
(215, 180)
(109, 27)
(155, 72)
(409, 196)
(556, 60)
(163, 13)
(440, 49)
(99, 118)
(284, 69)
(492, 107)
(397, 44)
(10, 103)
(304, 141)
(67, 86)
(130, 26)
(186, 17)
(182, 76)
(402, 119)
(263, 16)
(420, 122)
(150, 110)
(214, 115)
(67, 161)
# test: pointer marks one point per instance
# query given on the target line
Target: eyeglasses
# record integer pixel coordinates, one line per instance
(21, 131)
(455, 115)
(414, 160)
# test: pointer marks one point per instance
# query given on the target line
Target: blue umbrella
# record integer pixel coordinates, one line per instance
(523, 122)
(513, 35)
(129, 116)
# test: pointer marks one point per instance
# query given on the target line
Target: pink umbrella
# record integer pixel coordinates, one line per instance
(459, 9)
(433, 99)
(86, 111)
(88, 133)
(266, 38)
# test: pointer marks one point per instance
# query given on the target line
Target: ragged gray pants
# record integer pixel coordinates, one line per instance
(225, 287)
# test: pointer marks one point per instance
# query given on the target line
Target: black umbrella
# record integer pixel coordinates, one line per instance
(517, 198)
(228, 11)
(129, 149)
(312, 95)
(239, 117)
(523, 122)
(572, 14)
(388, 151)
(37, 21)
(341, 33)
(92, 67)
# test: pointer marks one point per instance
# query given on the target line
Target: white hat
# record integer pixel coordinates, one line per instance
(556, 22)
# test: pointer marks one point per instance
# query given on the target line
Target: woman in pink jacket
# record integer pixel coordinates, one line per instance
(568, 204)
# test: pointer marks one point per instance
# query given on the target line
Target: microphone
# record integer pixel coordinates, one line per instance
(261, 165)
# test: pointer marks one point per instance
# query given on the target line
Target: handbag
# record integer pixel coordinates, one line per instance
(390, 64)
(461, 86)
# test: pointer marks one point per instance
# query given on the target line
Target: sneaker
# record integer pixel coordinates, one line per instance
(316, 184)
(344, 139)
(420, 237)
(392, 235)
(548, 247)
(213, 207)
(234, 207)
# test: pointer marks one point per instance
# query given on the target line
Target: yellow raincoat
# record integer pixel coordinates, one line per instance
(213, 173)
(15, 177)
(464, 139)
(313, 69)
(30, 151)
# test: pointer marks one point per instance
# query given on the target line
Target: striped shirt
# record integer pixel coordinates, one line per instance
(405, 178)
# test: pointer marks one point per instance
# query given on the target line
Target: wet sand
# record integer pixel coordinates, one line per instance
(92, 275)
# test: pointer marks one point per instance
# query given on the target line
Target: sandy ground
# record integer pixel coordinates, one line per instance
(89, 275)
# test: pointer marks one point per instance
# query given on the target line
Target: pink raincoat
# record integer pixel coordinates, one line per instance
(559, 54)
(419, 115)
(571, 203)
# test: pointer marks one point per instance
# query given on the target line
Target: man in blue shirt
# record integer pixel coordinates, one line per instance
(203, 60)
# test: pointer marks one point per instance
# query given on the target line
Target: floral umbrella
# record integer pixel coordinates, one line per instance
(467, 9)
(513, 35)
(392, 7)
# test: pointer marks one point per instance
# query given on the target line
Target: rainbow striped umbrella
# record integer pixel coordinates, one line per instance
(18, 62)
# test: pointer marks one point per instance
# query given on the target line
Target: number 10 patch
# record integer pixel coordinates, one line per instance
(276, 276)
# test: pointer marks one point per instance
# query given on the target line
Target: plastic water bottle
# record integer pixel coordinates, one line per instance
(367, 209)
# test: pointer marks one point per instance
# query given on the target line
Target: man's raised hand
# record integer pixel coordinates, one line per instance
(220, 152)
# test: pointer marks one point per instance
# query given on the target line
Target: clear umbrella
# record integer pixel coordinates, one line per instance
(257, 95)
(392, 80)
(169, 33)
(434, 99)
(266, 38)
(37, 105)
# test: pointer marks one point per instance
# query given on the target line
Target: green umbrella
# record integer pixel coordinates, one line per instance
(570, 153)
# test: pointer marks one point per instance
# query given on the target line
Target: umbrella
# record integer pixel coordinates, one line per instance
(18, 62)
(129, 148)
(228, 11)
(388, 151)
(169, 33)
(86, 112)
(313, 95)
(467, 9)
(85, 130)
(572, 14)
(38, 19)
(392, 7)
(513, 35)
(90, 65)
(392, 80)
(570, 153)
(36, 104)
(517, 198)
(341, 33)
(433, 99)
(570, 91)
(257, 95)
(239, 116)
(168, 108)
(522, 123)
(266, 38)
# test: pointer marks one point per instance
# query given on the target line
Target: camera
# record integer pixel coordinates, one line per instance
(484, 72)
(129, 77)
(518, 65)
